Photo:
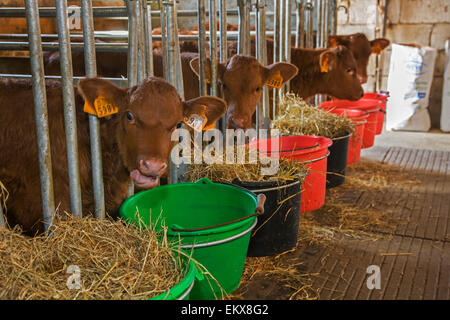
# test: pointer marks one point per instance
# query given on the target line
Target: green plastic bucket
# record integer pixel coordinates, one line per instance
(225, 213)
(182, 290)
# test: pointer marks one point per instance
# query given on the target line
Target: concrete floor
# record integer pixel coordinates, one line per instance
(432, 140)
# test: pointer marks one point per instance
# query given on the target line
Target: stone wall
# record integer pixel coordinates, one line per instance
(422, 22)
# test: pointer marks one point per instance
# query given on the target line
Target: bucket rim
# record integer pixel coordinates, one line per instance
(129, 203)
(321, 144)
(293, 183)
(342, 137)
(221, 241)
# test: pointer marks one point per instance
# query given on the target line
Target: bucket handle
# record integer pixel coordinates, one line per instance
(259, 210)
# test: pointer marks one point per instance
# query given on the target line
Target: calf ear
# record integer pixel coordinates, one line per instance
(327, 60)
(195, 66)
(102, 98)
(211, 108)
(279, 73)
(379, 45)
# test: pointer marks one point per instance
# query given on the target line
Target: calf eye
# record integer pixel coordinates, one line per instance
(349, 70)
(258, 89)
(130, 116)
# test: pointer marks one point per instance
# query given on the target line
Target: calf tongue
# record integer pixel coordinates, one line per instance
(144, 182)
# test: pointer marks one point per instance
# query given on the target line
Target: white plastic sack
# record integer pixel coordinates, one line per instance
(445, 113)
(409, 82)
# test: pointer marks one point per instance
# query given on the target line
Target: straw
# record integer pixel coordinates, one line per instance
(116, 261)
(296, 117)
(250, 170)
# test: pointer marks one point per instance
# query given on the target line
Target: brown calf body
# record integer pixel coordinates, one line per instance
(135, 142)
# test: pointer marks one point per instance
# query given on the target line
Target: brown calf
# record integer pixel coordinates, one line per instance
(326, 71)
(135, 141)
(322, 71)
(361, 48)
(241, 80)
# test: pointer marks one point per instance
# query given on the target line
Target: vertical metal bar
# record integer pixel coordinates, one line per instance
(300, 24)
(261, 54)
(162, 14)
(309, 17)
(282, 41)
(201, 8)
(132, 72)
(174, 75)
(213, 45)
(288, 37)
(94, 123)
(244, 27)
(70, 119)
(141, 62)
(133, 47)
(223, 46)
(40, 111)
(148, 41)
(318, 14)
(276, 43)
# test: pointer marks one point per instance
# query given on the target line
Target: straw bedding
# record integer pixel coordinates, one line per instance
(115, 262)
(296, 117)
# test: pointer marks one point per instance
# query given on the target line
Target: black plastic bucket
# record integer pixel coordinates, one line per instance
(337, 161)
(277, 229)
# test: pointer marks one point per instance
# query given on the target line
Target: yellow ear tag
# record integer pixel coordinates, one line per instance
(324, 66)
(102, 107)
(196, 122)
(276, 81)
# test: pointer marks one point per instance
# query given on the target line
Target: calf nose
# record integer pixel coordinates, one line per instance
(152, 167)
(238, 123)
(362, 79)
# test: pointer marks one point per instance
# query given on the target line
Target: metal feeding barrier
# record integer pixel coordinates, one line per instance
(314, 20)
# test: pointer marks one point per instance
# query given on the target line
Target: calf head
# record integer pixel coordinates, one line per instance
(242, 79)
(361, 48)
(142, 121)
(340, 68)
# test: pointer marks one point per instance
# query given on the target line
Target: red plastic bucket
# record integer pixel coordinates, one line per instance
(359, 116)
(382, 97)
(371, 106)
(310, 150)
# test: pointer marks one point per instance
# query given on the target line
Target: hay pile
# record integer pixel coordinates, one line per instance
(248, 171)
(296, 117)
(115, 262)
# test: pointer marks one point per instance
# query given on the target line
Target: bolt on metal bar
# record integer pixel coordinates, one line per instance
(201, 7)
(70, 120)
(40, 110)
(94, 123)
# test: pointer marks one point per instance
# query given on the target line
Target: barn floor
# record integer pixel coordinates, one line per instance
(392, 212)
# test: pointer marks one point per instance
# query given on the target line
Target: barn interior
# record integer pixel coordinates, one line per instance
(383, 233)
